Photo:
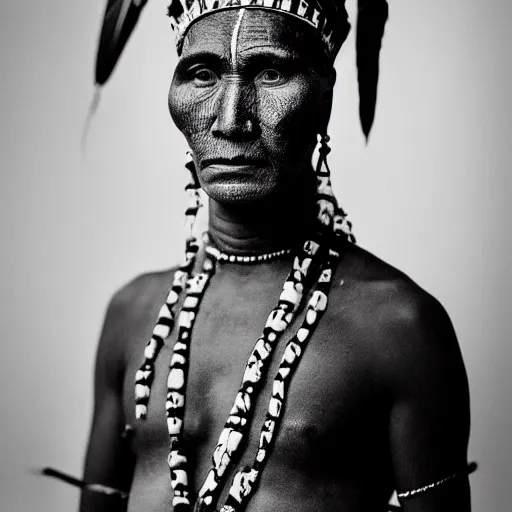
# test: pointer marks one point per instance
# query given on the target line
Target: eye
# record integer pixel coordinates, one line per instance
(271, 77)
(204, 77)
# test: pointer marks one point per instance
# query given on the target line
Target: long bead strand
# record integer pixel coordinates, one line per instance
(238, 421)
(176, 386)
(247, 478)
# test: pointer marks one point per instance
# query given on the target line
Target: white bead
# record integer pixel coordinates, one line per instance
(269, 425)
(140, 411)
(150, 350)
(302, 334)
(190, 302)
(319, 300)
(176, 379)
(325, 276)
(141, 391)
(242, 402)
(198, 283)
(177, 359)
(311, 316)
(185, 319)
(178, 346)
(175, 459)
(161, 330)
(180, 478)
(276, 320)
(262, 349)
(164, 310)
(142, 375)
(180, 500)
(261, 455)
(252, 371)
(175, 400)
(172, 298)
(265, 437)
(174, 426)
(274, 407)
(278, 389)
(284, 372)
(234, 420)
(291, 352)
(290, 294)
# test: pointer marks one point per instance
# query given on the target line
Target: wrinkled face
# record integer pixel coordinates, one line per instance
(250, 93)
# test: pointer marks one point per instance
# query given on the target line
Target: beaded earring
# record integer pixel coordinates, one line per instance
(329, 209)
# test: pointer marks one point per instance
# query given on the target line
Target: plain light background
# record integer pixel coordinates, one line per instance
(429, 194)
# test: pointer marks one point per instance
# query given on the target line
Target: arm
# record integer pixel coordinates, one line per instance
(429, 421)
(108, 459)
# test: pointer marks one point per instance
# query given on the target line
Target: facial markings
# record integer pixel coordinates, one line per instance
(285, 113)
(234, 38)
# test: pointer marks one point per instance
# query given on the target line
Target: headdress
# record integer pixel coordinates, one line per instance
(328, 17)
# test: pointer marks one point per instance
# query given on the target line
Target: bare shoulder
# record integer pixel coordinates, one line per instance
(131, 307)
(139, 294)
(402, 327)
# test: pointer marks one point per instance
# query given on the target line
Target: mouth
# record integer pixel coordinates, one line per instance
(236, 163)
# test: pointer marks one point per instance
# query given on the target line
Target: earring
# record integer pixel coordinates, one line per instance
(326, 201)
(330, 213)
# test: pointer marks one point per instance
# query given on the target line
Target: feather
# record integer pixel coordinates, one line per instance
(119, 20)
(371, 20)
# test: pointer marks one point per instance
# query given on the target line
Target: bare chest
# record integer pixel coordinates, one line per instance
(331, 411)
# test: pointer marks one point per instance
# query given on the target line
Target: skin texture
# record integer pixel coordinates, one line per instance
(268, 104)
(380, 398)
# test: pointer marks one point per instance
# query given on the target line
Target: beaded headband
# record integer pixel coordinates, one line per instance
(332, 27)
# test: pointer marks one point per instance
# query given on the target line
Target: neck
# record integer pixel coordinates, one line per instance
(280, 223)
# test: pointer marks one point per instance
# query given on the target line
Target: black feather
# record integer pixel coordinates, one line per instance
(120, 19)
(371, 20)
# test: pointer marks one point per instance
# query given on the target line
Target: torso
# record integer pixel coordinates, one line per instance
(331, 451)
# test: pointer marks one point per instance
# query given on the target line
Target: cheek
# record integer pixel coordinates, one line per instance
(288, 117)
(191, 109)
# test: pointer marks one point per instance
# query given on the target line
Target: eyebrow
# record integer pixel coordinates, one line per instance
(269, 53)
(203, 56)
(246, 57)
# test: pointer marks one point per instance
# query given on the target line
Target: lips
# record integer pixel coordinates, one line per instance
(236, 161)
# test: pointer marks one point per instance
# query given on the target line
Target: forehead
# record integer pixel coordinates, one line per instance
(259, 29)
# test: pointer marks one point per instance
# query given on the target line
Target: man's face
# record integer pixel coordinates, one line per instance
(250, 94)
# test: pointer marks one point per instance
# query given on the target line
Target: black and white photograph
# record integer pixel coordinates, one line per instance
(256, 256)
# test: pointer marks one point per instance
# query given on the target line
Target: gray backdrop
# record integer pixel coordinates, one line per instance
(429, 194)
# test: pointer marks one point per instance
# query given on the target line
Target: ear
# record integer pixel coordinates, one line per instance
(325, 104)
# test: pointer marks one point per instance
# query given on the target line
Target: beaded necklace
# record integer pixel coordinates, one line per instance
(332, 227)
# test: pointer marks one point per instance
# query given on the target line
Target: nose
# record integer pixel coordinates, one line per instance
(236, 111)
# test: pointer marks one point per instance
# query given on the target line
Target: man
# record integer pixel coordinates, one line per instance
(379, 400)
